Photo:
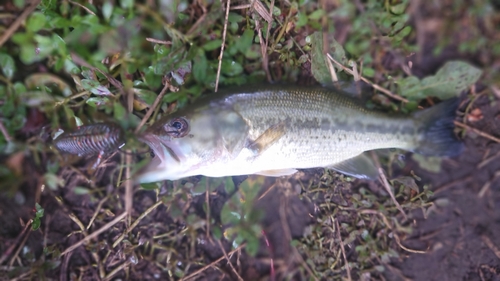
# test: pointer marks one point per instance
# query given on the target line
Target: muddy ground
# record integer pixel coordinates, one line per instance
(458, 234)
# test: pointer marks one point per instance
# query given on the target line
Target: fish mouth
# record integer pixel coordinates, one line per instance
(164, 156)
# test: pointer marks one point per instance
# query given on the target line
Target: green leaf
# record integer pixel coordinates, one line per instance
(19, 3)
(245, 41)
(80, 190)
(35, 22)
(28, 54)
(53, 181)
(8, 65)
(180, 73)
(368, 72)
(107, 9)
(302, 20)
(143, 98)
(231, 68)
(97, 102)
(119, 111)
(200, 67)
(149, 186)
(95, 87)
(451, 79)
(36, 223)
(126, 4)
(316, 15)
(39, 210)
(234, 18)
(212, 45)
(399, 8)
(319, 67)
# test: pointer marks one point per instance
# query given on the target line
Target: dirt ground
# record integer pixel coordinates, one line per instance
(461, 236)
(458, 234)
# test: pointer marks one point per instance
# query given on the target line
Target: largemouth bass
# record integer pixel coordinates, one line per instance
(274, 130)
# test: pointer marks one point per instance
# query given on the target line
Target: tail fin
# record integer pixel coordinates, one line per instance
(437, 125)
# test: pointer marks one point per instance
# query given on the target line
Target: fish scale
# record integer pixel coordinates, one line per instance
(306, 142)
(273, 130)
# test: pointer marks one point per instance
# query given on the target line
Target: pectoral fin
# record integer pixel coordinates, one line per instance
(268, 138)
(361, 167)
(277, 173)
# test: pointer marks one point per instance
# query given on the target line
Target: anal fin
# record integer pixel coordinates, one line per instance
(277, 173)
(361, 167)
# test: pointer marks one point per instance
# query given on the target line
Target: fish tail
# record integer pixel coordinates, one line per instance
(438, 138)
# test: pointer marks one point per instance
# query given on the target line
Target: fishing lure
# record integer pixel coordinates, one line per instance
(99, 138)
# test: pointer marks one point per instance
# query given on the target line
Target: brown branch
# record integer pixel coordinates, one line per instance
(136, 222)
(96, 233)
(192, 275)
(229, 261)
(348, 269)
(224, 32)
(6, 135)
(15, 25)
(481, 133)
(6, 254)
(152, 108)
(375, 86)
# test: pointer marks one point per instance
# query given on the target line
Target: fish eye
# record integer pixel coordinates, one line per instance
(178, 128)
(177, 125)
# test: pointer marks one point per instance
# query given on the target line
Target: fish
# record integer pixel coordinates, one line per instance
(273, 130)
(91, 139)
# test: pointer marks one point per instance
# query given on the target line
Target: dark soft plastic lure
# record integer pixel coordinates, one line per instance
(91, 139)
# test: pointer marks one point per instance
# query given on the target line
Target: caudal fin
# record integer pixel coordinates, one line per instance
(437, 124)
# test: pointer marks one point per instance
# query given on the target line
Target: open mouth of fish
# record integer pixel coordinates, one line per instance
(164, 156)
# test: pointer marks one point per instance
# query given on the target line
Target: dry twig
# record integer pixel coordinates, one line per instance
(347, 268)
(375, 86)
(224, 32)
(128, 184)
(136, 222)
(81, 6)
(451, 184)
(389, 190)
(15, 25)
(194, 274)
(152, 108)
(116, 270)
(7, 252)
(229, 261)
(488, 184)
(6, 135)
(491, 245)
(95, 234)
(21, 245)
(158, 41)
(481, 133)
